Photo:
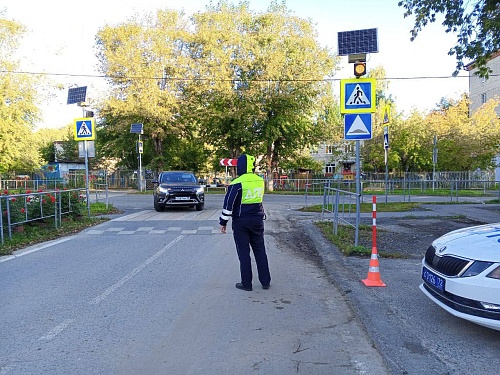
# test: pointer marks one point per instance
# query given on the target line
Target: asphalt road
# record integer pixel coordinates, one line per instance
(153, 293)
(110, 301)
(413, 335)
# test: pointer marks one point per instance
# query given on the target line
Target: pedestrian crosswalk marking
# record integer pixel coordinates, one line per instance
(142, 231)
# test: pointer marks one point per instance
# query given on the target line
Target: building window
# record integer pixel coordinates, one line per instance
(483, 98)
(348, 148)
(330, 168)
(329, 149)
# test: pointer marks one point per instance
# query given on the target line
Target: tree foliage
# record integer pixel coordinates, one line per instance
(18, 106)
(464, 143)
(477, 24)
(228, 80)
(145, 62)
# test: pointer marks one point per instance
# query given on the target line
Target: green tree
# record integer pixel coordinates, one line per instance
(301, 163)
(146, 62)
(373, 152)
(465, 143)
(18, 106)
(45, 142)
(477, 24)
(410, 143)
(268, 80)
(230, 82)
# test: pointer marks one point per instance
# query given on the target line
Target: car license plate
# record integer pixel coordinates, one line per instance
(182, 198)
(433, 279)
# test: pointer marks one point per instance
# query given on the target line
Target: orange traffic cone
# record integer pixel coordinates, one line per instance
(373, 278)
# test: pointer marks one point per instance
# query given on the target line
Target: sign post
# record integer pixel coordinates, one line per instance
(386, 147)
(84, 130)
(228, 163)
(357, 96)
(138, 129)
(434, 162)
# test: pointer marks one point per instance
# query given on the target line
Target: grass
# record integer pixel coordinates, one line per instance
(430, 192)
(368, 207)
(344, 239)
(36, 233)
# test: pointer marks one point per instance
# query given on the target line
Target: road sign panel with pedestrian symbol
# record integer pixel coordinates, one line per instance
(387, 115)
(357, 95)
(358, 126)
(386, 137)
(84, 129)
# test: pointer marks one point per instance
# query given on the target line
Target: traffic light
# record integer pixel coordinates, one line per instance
(359, 69)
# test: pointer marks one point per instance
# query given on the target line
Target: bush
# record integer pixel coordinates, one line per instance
(26, 206)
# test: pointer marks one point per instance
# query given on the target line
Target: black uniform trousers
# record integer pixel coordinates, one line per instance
(249, 232)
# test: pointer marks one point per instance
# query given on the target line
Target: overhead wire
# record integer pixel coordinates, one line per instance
(223, 79)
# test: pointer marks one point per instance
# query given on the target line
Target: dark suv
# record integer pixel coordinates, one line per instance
(178, 188)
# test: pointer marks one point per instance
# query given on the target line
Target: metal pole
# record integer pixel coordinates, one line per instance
(386, 175)
(86, 176)
(358, 191)
(140, 165)
(434, 162)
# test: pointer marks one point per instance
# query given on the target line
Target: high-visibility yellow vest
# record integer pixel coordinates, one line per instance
(252, 188)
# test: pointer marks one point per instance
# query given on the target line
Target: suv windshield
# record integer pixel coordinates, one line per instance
(177, 177)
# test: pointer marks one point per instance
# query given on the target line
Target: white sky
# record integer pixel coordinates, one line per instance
(60, 39)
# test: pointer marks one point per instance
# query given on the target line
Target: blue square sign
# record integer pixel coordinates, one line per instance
(84, 129)
(357, 95)
(358, 126)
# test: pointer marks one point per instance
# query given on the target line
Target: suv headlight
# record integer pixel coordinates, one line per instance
(163, 190)
(200, 190)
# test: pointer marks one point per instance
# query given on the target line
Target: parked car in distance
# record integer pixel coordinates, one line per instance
(461, 274)
(177, 188)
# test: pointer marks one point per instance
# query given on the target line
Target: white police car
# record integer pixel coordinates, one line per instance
(461, 274)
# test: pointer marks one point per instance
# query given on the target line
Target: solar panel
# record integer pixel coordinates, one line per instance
(357, 41)
(136, 128)
(77, 95)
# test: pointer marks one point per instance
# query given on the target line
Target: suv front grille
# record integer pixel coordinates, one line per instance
(447, 265)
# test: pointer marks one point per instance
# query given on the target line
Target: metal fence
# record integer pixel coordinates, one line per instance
(36, 185)
(342, 205)
(341, 202)
(406, 189)
(101, 193)
(409, 183)
(51, 205)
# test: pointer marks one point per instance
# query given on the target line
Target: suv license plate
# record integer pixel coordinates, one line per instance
(433, 279)
(182, 198)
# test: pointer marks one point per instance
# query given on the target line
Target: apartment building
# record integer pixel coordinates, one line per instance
(339, 159)
(481, 90)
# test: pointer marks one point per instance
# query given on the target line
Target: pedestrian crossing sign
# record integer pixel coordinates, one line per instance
(357, 95)
(84, 129)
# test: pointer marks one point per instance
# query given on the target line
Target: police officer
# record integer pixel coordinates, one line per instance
(243, 202)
